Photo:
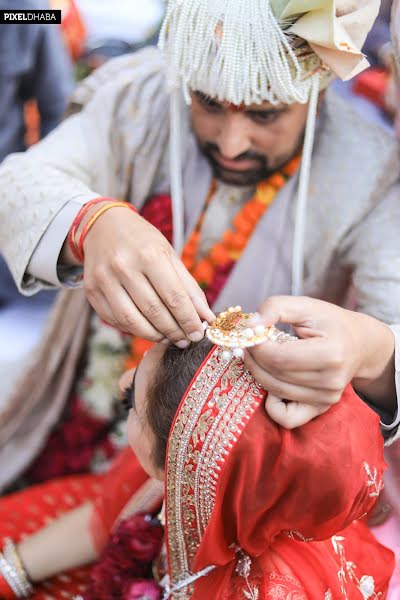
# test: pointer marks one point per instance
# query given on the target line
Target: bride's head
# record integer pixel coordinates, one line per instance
(234, 480)
(152, 393)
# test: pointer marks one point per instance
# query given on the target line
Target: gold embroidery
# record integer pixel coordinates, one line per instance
(207, 426)
(297, 536)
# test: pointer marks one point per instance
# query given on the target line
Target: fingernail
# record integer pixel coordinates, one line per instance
(182, 344)
(196, 336)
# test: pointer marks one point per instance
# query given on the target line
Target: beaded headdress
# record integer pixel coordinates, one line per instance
(253, 51)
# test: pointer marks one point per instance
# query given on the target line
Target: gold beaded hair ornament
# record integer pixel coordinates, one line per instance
(233, 332)
(253, 51)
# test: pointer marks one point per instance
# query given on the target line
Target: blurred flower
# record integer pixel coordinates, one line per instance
(142, 590)
(127, 561)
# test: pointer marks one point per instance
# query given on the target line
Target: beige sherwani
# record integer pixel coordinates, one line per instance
(117, 145)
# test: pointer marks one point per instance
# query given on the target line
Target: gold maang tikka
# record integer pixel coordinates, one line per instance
(232, 332)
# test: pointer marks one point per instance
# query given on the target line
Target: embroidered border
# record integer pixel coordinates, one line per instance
(210, 420)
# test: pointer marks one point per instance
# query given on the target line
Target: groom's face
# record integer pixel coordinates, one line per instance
(244, 145)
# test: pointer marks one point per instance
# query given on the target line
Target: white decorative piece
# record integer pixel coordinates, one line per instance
(227, 355)
(234, 51)
(302, 197)
(259, 330)
(374, 482)
(238, 353)
(367, 586)
(231, 331)
(250, 333)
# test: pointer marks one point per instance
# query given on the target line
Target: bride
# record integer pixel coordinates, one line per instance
(252, 511)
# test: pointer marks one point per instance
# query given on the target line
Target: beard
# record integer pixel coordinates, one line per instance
(263, 167)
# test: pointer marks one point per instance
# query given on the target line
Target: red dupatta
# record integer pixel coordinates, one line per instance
(257, 512)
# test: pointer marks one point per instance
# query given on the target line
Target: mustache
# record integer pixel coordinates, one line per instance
(212, 149)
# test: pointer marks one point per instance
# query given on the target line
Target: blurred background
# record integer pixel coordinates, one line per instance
(39, 67)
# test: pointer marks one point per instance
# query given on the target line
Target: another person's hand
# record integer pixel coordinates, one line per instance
(337, 346)
(135, 281)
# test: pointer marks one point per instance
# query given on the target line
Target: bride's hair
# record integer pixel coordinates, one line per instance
(169, 383)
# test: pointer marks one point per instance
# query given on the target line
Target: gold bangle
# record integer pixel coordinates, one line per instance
(94, 218)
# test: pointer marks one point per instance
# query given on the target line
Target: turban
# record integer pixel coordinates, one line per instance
(250, 51)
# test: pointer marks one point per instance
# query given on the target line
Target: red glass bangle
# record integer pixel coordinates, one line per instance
(78, 220)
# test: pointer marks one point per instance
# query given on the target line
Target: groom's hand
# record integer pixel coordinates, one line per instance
(306, 377)
(135, 281)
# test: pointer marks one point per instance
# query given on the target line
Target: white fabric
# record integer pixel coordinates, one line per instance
(52, 242)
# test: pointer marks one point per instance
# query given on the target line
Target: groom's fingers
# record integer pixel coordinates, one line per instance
(292, 310)
(282, 389)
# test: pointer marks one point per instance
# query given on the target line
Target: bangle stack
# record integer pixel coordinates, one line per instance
(75, 245)
(13, 571)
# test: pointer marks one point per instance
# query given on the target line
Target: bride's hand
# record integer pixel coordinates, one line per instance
(337, 347)
(290, 414)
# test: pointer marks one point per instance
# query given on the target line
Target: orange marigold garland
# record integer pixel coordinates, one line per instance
(212, 270)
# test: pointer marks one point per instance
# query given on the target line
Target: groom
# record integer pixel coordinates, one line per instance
(254, 93)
